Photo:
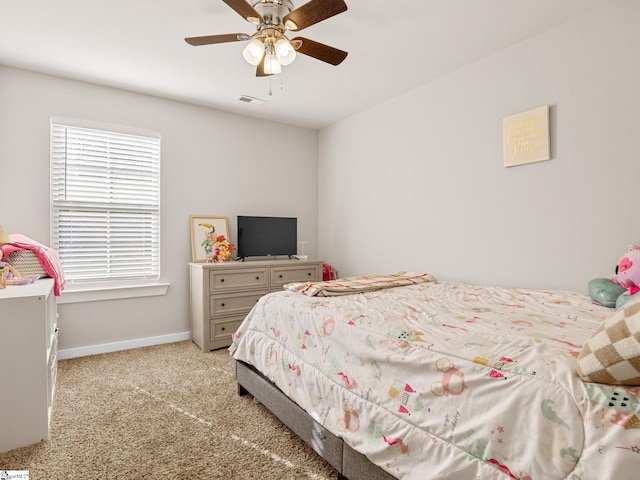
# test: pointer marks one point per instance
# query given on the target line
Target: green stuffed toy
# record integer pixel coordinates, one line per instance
(623, 286)
(604, 292)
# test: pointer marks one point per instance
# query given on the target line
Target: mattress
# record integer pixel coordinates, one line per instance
(449, 380)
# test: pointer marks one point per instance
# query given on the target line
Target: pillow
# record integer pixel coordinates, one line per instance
(612, 353)
(605, 292)
(624, 298)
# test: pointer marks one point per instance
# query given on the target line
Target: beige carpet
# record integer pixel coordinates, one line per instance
(163, 412)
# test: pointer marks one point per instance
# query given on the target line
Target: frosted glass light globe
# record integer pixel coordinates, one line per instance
(253, 52)
(272, 65)
(285, 52)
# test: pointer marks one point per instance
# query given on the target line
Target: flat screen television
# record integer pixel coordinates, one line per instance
(267, 236)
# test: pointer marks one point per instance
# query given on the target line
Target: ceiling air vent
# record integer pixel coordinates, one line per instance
(249, 99)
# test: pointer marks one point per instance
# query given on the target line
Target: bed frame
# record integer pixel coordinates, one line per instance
(350, 464)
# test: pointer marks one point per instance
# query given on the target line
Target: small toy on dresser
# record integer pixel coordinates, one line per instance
(623, 286)
(10, 276)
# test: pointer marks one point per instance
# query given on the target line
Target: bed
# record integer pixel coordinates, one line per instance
(440, 380)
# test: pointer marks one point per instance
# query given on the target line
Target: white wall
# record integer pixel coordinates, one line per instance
(213, 163)
(417, 183)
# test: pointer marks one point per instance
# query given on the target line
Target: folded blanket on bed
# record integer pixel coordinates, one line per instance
(358, 284)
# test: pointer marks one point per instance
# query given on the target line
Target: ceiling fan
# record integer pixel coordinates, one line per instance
(269, 48)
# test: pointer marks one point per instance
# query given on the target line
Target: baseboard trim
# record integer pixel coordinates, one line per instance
(124, 345)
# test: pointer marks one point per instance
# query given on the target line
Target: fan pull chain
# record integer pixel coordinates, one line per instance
(271, 83)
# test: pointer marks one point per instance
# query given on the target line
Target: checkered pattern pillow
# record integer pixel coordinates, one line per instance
(612, 354)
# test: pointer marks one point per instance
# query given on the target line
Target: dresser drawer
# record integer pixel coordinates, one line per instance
(240, 279)
(233, 303)
(280, 276)
(221, 332)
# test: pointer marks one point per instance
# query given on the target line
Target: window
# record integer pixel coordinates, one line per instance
(105, 197)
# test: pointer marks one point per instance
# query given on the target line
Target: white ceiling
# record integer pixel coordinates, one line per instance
(394, 46)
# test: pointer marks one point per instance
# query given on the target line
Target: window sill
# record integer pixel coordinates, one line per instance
(96, 293)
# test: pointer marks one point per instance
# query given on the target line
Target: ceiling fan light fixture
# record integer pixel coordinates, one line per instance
(268, 49)
(253, 52)
(285, 51)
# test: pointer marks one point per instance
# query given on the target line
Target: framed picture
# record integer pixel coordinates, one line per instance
(205, 229)
(526, 137)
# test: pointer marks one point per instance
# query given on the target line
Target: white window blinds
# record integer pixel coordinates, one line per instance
(105, 190)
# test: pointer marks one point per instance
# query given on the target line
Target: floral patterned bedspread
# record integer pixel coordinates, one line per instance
(449, 380)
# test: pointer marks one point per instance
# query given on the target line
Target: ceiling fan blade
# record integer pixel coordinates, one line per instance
(211, 39)
(260, 69)
(245, 10)
(313, 12)
(318, 50)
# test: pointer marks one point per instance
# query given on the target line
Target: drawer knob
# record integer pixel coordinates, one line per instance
(222, 328)
(257, 278)
(280, 276)
(222, 304)
(309, 273)
(222, 280)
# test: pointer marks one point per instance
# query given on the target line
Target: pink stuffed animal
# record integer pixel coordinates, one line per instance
(628, 270)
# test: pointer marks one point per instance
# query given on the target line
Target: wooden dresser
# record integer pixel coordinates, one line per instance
(223, 293)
